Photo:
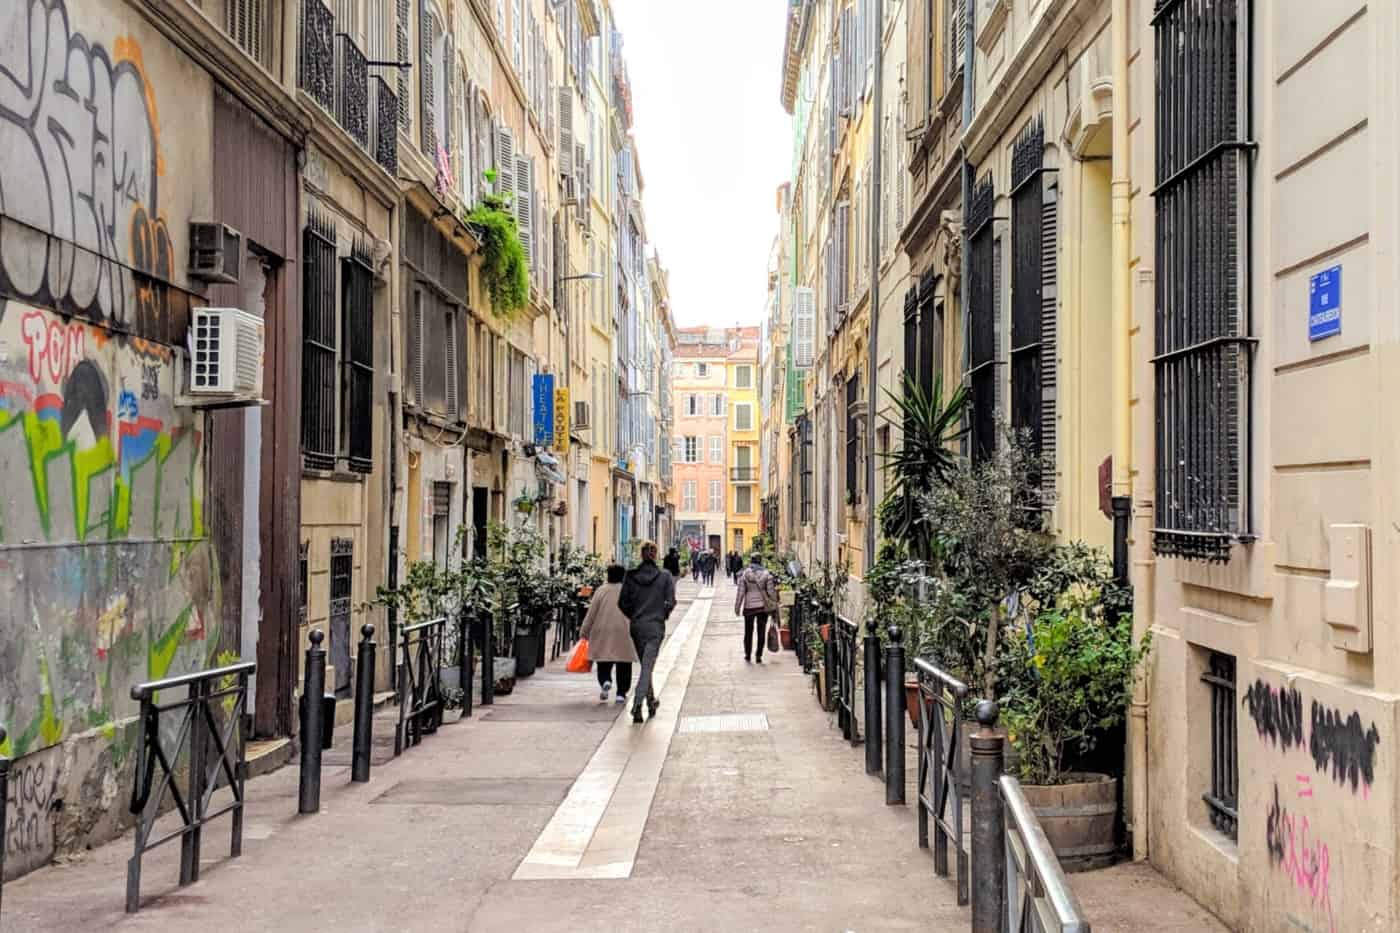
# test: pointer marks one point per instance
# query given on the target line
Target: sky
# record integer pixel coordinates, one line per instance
(715, 144)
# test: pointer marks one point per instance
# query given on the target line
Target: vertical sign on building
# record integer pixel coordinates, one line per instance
(1325, 304)
(544, 409)
(561, 420)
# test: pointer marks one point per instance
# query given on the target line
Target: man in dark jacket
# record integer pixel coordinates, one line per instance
(672, 563)
(648, 596)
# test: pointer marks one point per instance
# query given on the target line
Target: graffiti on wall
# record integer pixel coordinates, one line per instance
(1300, 854)
(80, 172)
(106, 575)
(1339, 745)
(33, 795)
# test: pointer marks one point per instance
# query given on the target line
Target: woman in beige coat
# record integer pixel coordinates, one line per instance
(609, 635)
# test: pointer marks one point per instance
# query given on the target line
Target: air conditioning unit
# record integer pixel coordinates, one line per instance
(216, 253)
(581, 413)
(226, 353)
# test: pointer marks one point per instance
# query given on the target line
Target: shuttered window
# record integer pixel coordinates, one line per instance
(246, 25)
(357, 299)
(429, 29)
(853, 458)
(804, 328)
(318, 348)
(956, 38)
(401, 49)
(982, 313)
(1203, 350)
(1033, 294)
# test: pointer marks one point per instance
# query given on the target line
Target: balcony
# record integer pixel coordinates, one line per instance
(743, 474)
(333, 70)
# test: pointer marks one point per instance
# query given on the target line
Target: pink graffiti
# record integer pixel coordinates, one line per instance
(1304, 785)
(54, 347)
(1308, 864)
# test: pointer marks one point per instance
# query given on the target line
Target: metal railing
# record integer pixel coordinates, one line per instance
(420, 682)
(1038, 896)
(846, 634)
(210, 719)
(1222, 802)
(941, 697)
(743, 474)
(4, 815)
(316, 55)
(566, 629)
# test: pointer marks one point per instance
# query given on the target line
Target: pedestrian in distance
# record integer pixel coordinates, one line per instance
(648, 596)
(609, 634)
(695, 566)
(756, 600)
(672, 563)
(736, 564)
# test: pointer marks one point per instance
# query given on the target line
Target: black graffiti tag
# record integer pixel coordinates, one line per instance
(1344, 745)
(1277, 714)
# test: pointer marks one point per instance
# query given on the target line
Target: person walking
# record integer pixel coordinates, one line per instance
(609, 634)
(756, 600)
(648, 596)
(736, 564)
(672, 563)
(695, 566)
(711, 562)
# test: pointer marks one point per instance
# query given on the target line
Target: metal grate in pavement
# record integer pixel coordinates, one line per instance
(725, 722)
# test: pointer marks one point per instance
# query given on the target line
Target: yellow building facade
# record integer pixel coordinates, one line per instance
(742, 447)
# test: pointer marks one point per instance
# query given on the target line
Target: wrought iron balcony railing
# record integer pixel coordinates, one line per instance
(334, 71)
(384, 119)
(743, 474)
(352, 90)
(316, 57)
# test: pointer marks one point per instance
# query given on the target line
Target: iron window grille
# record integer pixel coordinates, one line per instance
(342, 589)
(384, 120)
(1203, 344)
(1222, 802)
(982, 295)
(804, 434)
(357, 297)
(1033, 292)
(911, 334)
(930, 331)
(352, 90)
(853, 444)
(318, 348)
(316, 57)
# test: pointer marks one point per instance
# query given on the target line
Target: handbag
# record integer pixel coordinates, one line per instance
(775, 637)
(578, 661)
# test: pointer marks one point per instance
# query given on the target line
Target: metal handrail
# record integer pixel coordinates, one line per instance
(940, 737)
(1038, 896)
(420, 683)
(4, 812)
(209, 691)
(847, 638)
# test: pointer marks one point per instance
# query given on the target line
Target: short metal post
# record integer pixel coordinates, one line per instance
(364, 706)
(464, 667)
(309, 789)
(829, 659)
(988, 823)
(873, 725)
(488, 658)
(191, 841)
(894, 718)
(4, 814)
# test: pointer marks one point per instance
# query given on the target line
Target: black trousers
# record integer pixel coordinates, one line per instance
(624, 675)
(755, 623)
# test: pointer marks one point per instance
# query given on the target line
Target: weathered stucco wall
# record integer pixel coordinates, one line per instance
(106, 574)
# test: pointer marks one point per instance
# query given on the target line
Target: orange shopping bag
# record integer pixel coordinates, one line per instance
(578, 661)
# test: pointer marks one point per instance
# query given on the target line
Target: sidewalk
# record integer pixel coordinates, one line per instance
(553, 812)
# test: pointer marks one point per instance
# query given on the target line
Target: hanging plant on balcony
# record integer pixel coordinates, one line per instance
(504, 271)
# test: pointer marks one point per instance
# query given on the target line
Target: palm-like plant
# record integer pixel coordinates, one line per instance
(925, 459)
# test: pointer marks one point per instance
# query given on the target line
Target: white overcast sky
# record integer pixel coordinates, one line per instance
(715, 143)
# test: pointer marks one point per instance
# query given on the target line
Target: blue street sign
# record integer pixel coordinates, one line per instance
(544, 409)
(1325, 304)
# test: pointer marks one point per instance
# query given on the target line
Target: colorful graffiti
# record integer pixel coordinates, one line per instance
(1338, 744)
(106, 576)
(1300, 855)
(80, 169)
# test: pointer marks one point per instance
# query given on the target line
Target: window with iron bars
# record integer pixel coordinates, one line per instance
(854, 478)
(357, 297)
(982, 314)
(804, 435)
(1033, 294)
(1222, 800)
(1203, 350)
(318, 348)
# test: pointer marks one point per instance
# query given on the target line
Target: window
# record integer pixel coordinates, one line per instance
(318, 348)
(438, 365)
(743, 500)
(692, 404)
(702, 370)
(716, 448)
(854, 460)
(743, 416)
(804, 436)
(692, 449)
(357, 297)
(716, 496)
(717, 405)
(1222, 800)
(342, 580)
(682, 369)
(246, 25)
(985, 301)
(1033, 217)
(518, 38)
(956, 39)
(743, 377)
(1203, 350)
(688, 500)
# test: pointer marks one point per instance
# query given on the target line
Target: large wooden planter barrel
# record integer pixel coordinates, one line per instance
(1078, 818)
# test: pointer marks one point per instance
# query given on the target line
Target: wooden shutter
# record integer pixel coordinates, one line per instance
(505, 163)
(452, 367)
(427, 37)
(417, 325)
(999, 328)
(401, 49)
(804, 328)
(566, 131)
(957, 39)
(841, 258)
(1049, 325)
(449, 86)
(502, 411)
(525, 208)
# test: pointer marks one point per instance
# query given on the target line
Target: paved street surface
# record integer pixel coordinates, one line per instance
(553, 812)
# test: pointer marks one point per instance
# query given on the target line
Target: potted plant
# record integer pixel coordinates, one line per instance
(526, 589)
(505, 271)
(1067, 684)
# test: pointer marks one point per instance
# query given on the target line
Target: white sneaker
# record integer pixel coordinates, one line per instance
(603, 694)
(622, 699)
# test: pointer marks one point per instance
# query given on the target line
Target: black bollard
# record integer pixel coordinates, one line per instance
(873, 688)
(364, 706)
(464, 668)
(4, 813)
(488, 658)
(309, 788)
(894, 718)
(988, 823)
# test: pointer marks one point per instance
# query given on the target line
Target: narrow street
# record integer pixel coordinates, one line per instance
(553, 812)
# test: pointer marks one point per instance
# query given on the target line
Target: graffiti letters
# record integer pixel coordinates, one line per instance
(1340, 745)
(1302, 857)
(33, 795)
(1277, 713)
(79, 170)
(54, 348)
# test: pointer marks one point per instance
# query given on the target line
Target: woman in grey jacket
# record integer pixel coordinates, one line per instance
(609, 635)
(756, 599)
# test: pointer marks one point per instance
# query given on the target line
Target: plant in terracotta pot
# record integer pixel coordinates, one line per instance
(1067, 681)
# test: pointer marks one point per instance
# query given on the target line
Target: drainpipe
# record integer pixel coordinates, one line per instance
(1122, 416)
(873, 363)
(969, 78)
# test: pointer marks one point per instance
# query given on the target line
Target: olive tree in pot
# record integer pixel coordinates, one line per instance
(1067, 680)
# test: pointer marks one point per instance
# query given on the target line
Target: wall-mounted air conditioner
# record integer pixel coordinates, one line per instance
(216, 253)
(226, 355)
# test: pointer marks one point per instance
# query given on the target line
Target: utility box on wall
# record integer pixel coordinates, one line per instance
(1346, 599)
